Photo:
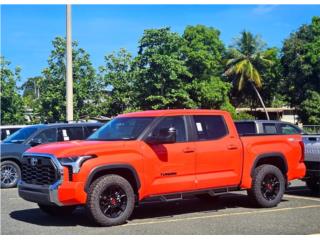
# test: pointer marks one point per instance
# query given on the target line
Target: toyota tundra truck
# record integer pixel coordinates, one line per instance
(168, 154)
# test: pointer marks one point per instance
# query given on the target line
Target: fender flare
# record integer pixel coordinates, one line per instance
(98, 169)
(267, 155)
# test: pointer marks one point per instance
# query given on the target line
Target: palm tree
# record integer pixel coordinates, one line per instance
(245, 58)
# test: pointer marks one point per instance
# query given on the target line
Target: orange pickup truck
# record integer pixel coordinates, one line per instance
(167, 154)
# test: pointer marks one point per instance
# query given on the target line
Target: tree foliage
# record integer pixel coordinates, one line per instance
(309, 109)
(301, 62)
(11, 101)
(171, 70)
(160, 70)
(86, 87)
(118, 81)
(245, 62)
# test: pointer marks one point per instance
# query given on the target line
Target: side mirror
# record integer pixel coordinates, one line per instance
(34, 142)
(166, 135)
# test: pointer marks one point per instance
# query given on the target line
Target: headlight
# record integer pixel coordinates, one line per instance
(75, 162)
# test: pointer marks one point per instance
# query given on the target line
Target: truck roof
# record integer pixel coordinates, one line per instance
(52, 125)
(158, 113)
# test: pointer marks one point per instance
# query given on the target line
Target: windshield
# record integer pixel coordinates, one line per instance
(21, 135)
(125, 128)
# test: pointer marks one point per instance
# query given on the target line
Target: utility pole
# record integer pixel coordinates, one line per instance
(69, 76)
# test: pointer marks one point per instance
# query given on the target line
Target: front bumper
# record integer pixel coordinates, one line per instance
(61, 193)
(47, 195)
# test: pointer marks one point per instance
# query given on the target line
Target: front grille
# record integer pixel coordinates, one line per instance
(38, 170)
(312, 165)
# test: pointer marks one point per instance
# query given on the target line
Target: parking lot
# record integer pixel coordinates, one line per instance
(298, 213)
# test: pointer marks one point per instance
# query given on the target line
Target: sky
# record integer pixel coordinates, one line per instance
(28, 30)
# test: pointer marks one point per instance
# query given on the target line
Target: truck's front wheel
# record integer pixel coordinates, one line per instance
(10, 174)
(110, 200)
(268, 186)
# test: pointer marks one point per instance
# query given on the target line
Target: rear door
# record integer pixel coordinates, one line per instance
(218, 153)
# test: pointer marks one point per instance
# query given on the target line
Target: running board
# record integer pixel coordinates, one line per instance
(179, 196)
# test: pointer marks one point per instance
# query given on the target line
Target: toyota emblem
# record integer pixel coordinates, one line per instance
(34, 162)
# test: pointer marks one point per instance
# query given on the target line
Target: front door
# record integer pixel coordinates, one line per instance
(170, 167)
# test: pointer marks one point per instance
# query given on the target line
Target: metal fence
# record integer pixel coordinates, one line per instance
(312, 129)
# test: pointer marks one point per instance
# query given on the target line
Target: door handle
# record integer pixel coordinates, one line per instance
(188, 150)
(232, 147)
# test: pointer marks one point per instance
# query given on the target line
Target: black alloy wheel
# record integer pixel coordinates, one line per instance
(10, 174)
(270, 187)
(113, 201)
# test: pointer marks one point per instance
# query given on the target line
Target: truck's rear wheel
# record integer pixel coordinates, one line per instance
(313, 184)
(56, 210)
(110, 200)
(268, 186)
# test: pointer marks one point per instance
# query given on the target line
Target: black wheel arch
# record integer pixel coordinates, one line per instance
(12, 159)
(120, 169)
(275, 158)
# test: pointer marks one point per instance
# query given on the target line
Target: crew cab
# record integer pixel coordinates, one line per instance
(165, 153)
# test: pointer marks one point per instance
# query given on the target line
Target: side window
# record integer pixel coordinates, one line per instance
(89, 130)
(210, 127)
(46, 136)
(70, 133)
(269, 128)
(175, 122)
(288, 129)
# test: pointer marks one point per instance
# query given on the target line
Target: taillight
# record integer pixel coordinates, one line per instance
(302, 151)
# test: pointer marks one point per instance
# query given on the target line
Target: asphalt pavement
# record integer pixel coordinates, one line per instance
(298, 213)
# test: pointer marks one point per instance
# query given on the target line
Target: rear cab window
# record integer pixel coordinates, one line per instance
(246, 128)
(209, 127)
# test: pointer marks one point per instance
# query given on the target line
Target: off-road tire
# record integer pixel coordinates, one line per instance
(96, 190)
(57, 210)
(16, 167)
(255, 194)
(314, 185)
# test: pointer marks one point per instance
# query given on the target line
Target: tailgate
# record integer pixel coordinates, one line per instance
(312, 148)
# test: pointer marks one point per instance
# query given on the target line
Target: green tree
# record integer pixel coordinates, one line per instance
(31, 94)
(118, 80)
(203, 52)
(12, 109)
(301, 63)
(245, 61)
(86, 86)
(273, 90)
(309, 109)
(159, 71)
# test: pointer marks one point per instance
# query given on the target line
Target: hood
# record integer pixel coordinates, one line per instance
(12, 149)
(77, 148)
